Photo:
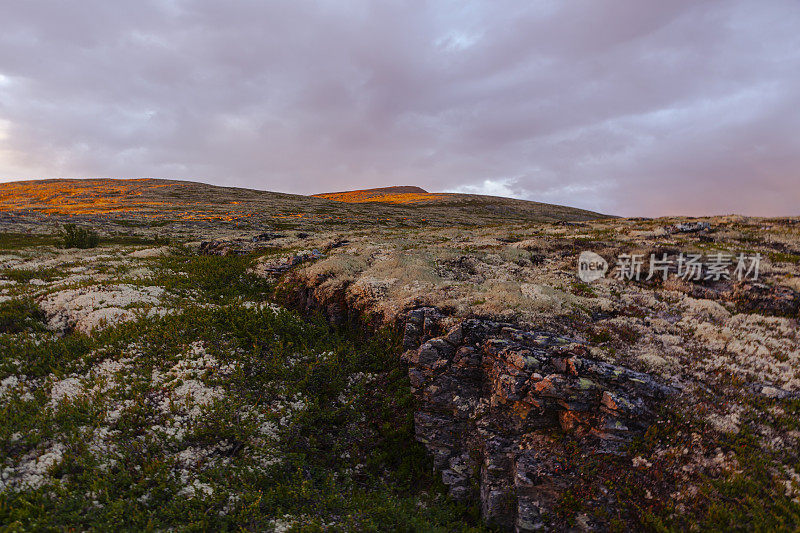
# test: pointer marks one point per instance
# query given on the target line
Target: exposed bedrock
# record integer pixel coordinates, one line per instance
(498, 406)
(495, 403)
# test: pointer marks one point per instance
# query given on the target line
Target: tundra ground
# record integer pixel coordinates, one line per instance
(146, 385)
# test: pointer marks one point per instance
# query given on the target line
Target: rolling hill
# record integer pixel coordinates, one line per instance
(184, 201)
(402, 194)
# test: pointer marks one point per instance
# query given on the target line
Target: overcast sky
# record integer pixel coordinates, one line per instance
(630, 107)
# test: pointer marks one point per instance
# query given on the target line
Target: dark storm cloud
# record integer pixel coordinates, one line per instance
(618, 105)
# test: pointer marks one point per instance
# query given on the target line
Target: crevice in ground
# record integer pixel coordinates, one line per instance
(502, 408)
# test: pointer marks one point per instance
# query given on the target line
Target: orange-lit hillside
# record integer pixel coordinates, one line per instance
(93, 196)
(144, 198)
(389, 195)
(169, 201)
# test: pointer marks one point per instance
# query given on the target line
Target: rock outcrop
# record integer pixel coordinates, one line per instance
(503, 410)
(495, 405)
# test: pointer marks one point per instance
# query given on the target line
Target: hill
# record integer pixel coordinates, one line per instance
(157, 201)
(400, 194)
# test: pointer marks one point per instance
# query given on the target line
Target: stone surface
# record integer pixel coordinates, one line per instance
(495, 401)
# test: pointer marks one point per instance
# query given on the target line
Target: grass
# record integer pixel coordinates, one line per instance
(146, 203)
(346, 459)
(127, 223)
(19, 241)
(327, 442)
(25, 275)
(155, 240)
(581, 288)
(748, 500)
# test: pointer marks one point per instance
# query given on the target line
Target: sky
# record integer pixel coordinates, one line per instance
(627, 107)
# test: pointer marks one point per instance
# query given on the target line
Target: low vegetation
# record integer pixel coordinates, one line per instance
(74, 236)
(226, 413)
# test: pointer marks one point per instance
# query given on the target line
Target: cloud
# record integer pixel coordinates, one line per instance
(501, 187)
(620, 106)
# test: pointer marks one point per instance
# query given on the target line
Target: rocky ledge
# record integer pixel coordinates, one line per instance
(504, 409)
(497, 406)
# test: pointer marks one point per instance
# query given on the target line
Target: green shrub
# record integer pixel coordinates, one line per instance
(74, 236)
(217, 278)
(20, 315)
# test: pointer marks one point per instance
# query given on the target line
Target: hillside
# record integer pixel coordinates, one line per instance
(207, 365)
(402, 194)
(190, 204)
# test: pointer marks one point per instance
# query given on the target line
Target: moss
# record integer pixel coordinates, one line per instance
(155, 240)
(780, 257)
(583, 289)
(600, 335)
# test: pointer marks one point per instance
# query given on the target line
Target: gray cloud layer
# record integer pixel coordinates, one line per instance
(621, 106)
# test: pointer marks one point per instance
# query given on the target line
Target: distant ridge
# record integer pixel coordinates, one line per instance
(147, 200)
(379, 190)
(399, 194)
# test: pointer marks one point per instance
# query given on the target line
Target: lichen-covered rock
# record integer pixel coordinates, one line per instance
(494, 400)
(88, 308)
